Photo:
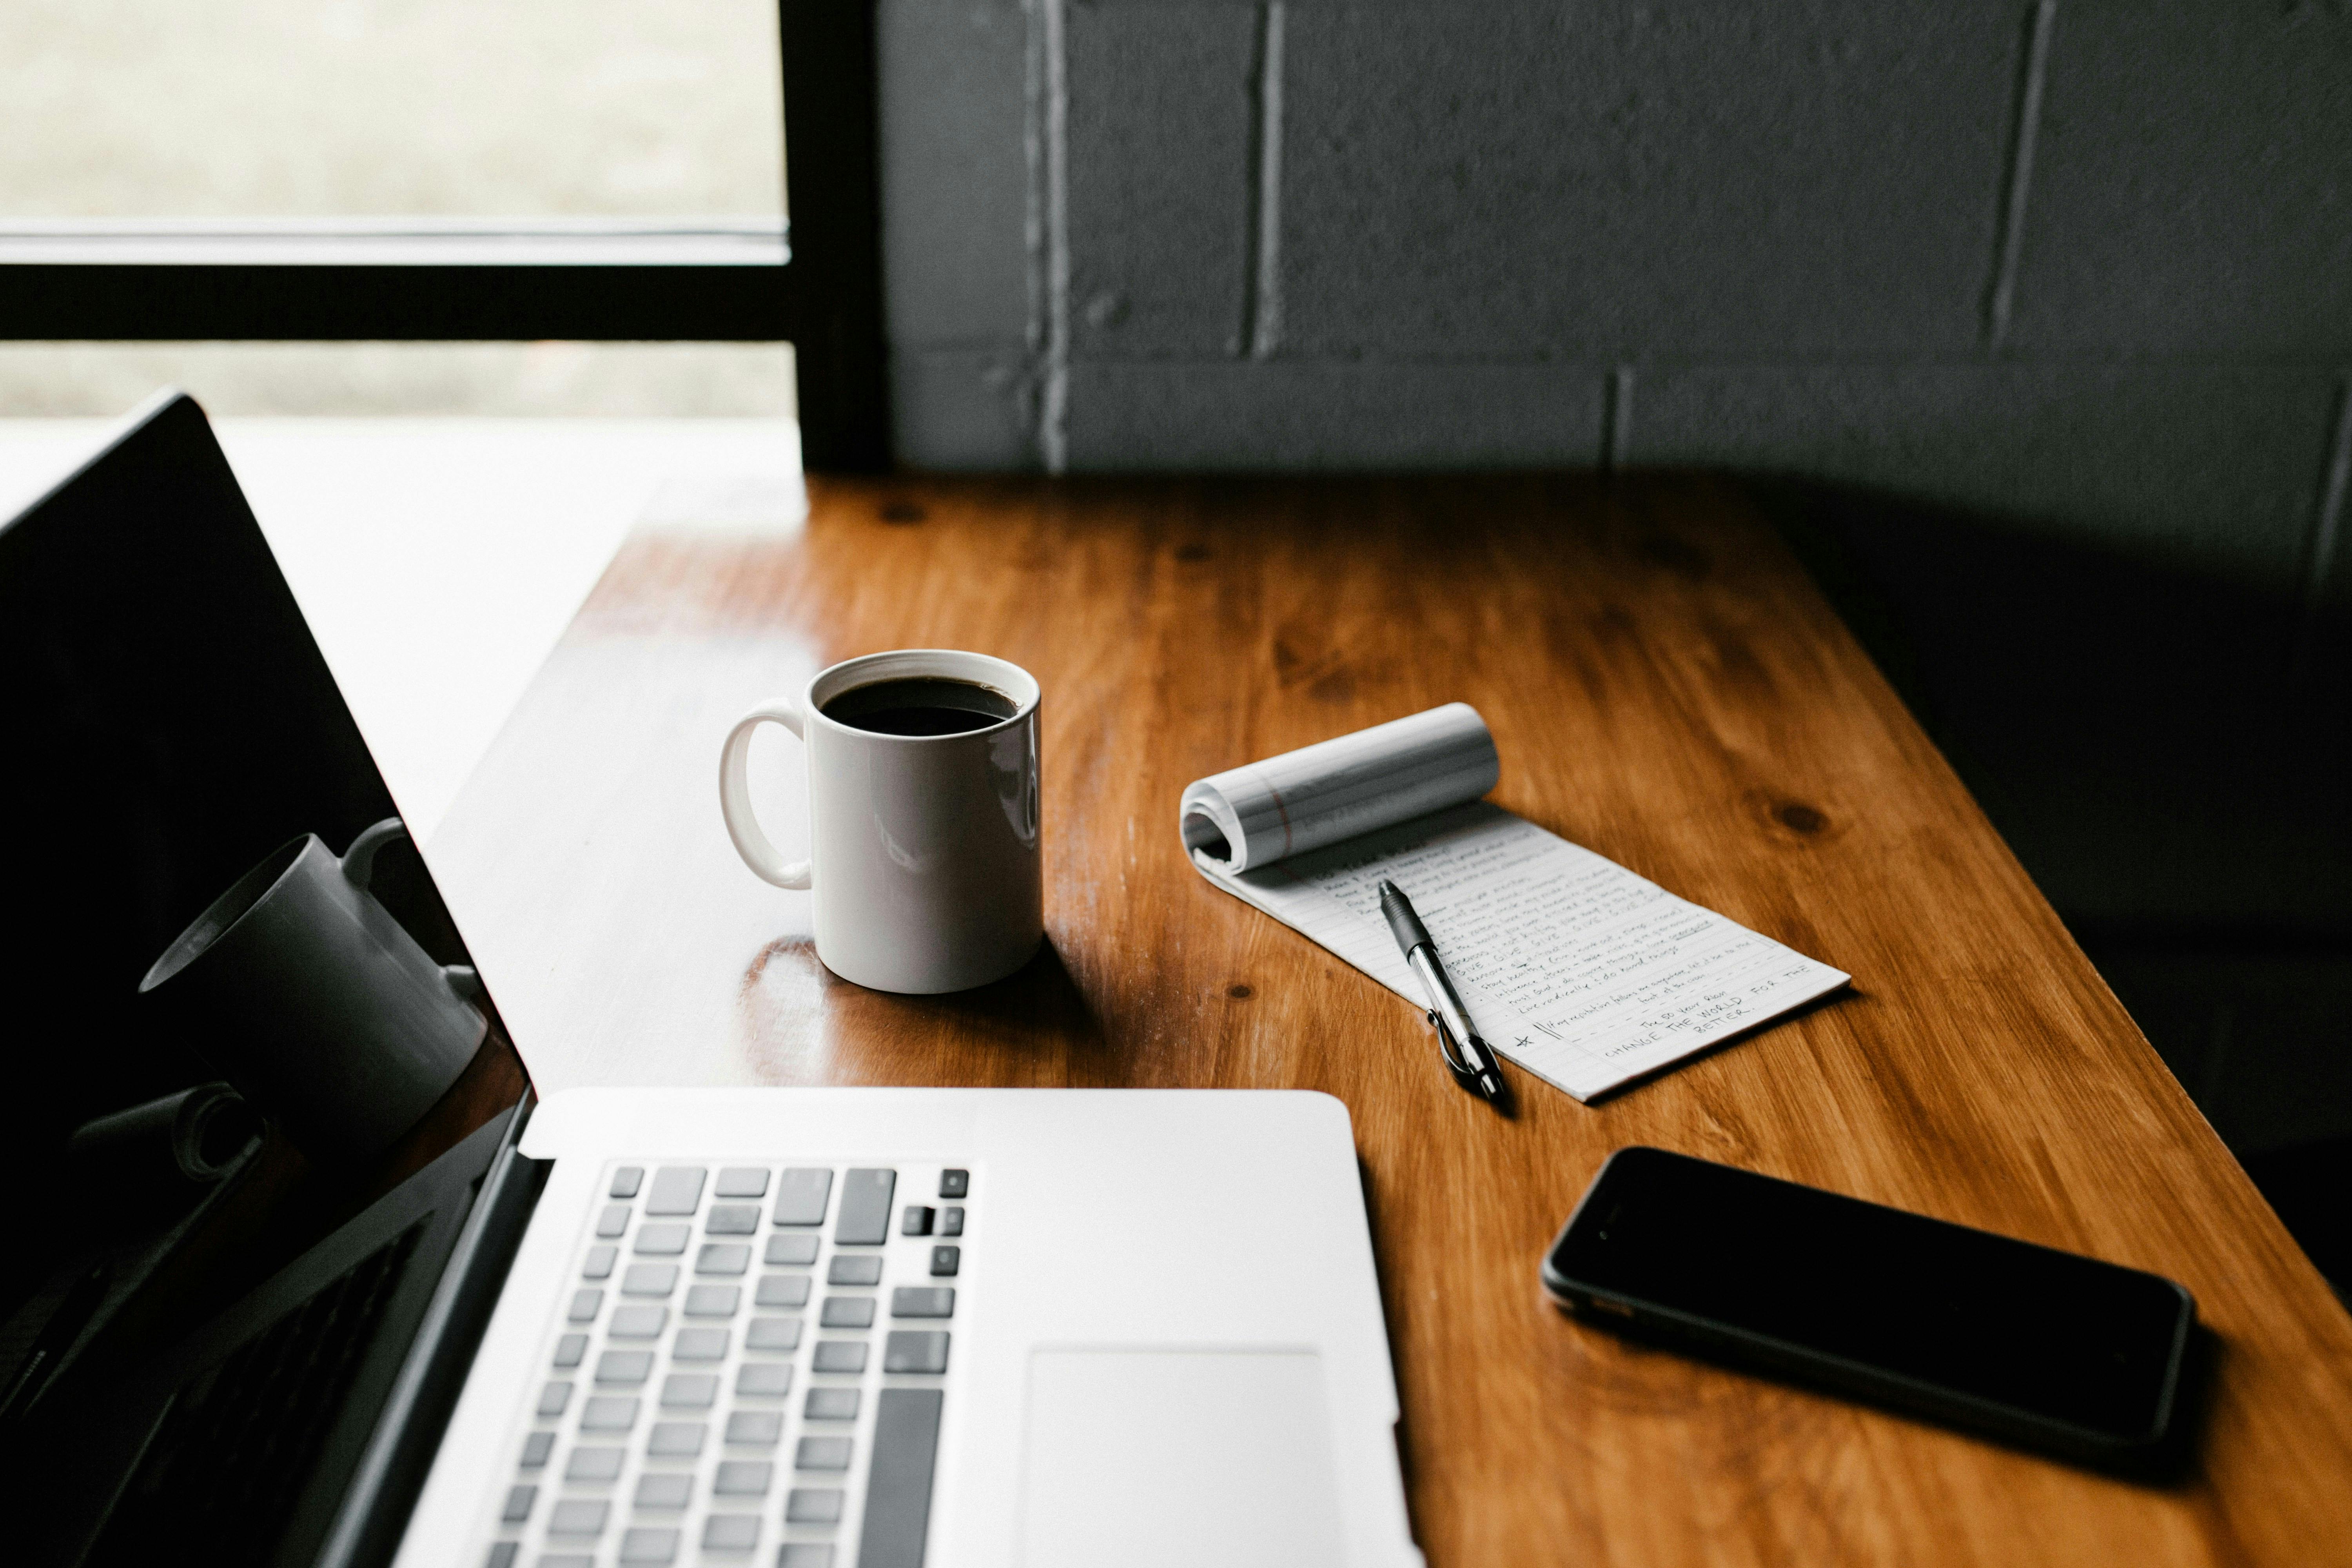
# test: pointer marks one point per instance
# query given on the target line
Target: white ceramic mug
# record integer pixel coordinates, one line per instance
(923, 848)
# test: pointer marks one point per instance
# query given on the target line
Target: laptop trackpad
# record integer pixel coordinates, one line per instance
(1145, 1458)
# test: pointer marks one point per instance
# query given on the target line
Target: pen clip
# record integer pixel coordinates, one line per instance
(1451, 1050)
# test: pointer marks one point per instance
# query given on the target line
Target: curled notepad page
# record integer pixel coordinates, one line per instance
(1318, 794)
(1573, 967)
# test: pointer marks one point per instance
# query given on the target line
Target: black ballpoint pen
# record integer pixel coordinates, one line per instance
(1472, 1060)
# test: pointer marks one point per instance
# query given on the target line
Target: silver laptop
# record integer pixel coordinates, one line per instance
(808, 1328)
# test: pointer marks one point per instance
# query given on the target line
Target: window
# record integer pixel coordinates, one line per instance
(275, 110)
(448, 170)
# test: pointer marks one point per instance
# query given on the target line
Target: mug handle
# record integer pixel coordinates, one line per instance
(735, 796)
(358, 867)
(358, 863)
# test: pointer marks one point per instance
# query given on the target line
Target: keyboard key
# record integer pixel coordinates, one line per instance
(813, 1505)
(821, 1453)
(676, 1439)
(552, 1399)
(917, 1220)
(585, 1305)
(677, 1189)
(899, 1478)
(643, 1322)
(801, 1197)
(806, 1554)
(783, 1290)
(579, 1516)
(916, 1350)
(598, 1464)
(732, 1220)
(649, 1280)
(764, 1380)
(865, 1219)
(566, 1560)
(536, 1449)
(503, 1555)
(699, 1345)
(847, 1312)
(613, 1221)
(648, 1546)
(831, 1404)
(760, 1428)
(945, 1261)
(923, 1301)
(854, 1270)
(665, 1240)
(600, 1262)
(519, 1501)
(624, 1368)
(722, 1258)
(665, 1489)
(689, 1391)
(713, 1300)
(625, 1180)
(570, 1348)
(841, 1355)
(788, 1251)
(954, 1183)
(744, 1478)
(609, 1413)
(951, 1222)
(743, 1182)
(730, 1532)
(772, 1334)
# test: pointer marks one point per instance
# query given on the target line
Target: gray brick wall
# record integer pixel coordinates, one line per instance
(2086, 264)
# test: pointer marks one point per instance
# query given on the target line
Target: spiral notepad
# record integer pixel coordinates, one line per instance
(1573, 967)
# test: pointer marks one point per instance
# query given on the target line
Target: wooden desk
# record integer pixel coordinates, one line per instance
(1667, 688)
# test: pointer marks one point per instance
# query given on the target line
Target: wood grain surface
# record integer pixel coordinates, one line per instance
(1667, 688)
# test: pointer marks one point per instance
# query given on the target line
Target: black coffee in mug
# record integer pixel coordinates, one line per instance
(920, 705)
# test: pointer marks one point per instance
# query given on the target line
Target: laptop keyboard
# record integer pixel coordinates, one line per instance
(749, 1366)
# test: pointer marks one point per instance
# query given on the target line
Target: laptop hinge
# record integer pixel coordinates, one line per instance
(391, 1472)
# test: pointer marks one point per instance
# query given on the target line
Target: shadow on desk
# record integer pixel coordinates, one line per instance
(1038, 1019)
(2169, 753)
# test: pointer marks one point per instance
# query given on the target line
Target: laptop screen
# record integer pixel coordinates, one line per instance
(171, 725)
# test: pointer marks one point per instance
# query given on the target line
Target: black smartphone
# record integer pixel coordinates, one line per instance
(2041, 1347)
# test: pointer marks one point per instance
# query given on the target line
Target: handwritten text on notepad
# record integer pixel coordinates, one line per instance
(1573, 967)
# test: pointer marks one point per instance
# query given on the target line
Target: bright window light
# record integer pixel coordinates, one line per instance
(279, 108)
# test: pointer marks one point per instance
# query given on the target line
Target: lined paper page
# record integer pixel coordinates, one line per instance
(1573, 967)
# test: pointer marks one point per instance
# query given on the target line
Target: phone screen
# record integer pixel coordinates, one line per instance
(2058, 1337)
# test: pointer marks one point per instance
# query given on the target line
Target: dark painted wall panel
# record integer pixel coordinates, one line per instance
(2212, 467)
(1807, 199)
(1820, 176)
(1307, 418)
(954, 177)
(965, 409)
(2192, 190)
(1160, 141)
